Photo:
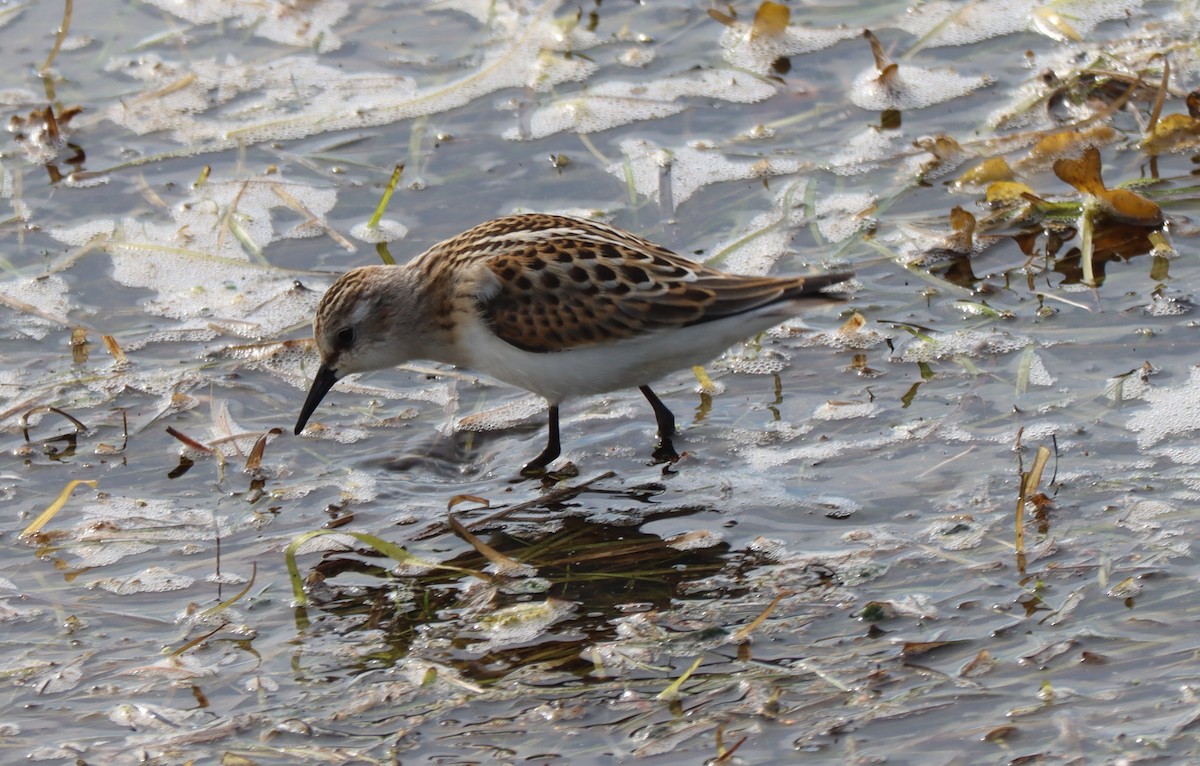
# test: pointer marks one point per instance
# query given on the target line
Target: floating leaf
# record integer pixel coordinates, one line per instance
(1130, 207)
(987, 172)
(393, 551)
(1119, 204)
(770, 20)
(1082, 173)
(1067, 142)
(1173, 133)
(1008, 191)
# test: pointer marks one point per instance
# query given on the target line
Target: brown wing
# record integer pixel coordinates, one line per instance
(562, 283)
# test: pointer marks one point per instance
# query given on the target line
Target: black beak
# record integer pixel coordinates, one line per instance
(320, 386)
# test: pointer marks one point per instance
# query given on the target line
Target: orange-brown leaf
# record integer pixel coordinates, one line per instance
(1083, 172)
(770, 20)
(1130, 207)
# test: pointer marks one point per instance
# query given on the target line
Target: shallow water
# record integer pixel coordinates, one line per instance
(836, 551)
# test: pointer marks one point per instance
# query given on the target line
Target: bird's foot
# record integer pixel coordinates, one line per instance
(664, 452)
(566, 471)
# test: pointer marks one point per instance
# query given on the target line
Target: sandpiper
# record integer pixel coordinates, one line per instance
(556, 305)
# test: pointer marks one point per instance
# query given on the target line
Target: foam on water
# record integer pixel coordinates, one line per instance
(911, 87)
(304, 25)
(758, 53)
(762, 242)
(614, 102)
(845, 410)
(386, 230)
(149, 580)
(1170, 411)
(207, 265)
(865, 151)
(690, 168)
(841, 216)
(951, 23)
(970, 343)
(209, 105)
(519, 624)
(83, 233)
(47, 297)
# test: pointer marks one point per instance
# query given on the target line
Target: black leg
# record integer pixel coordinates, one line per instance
(537, 466)
(666, 426)
(666, 420)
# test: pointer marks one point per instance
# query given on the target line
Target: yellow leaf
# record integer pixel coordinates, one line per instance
(987, 172)
(1172, 133)
(1067, 142)
(1007, 191)
(770, 20)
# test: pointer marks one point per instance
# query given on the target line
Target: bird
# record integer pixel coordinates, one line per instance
(557, 305)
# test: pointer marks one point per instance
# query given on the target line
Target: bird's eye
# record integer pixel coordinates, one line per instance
(345, 337)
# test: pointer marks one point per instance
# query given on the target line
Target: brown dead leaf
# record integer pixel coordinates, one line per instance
(1132, 208)
(79, 345)
(114, 348)
(503, 564)
(483, 502)
(887, 75)
(917, 648)
(882, 62)
(716, 15)
(852, 325)
(978, 665)
(962, 222)
(1083, 173)
(940, 146)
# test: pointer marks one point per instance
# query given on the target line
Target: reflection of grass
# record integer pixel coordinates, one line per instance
(502, 619)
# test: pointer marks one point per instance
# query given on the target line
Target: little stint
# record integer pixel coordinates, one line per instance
(557, 305)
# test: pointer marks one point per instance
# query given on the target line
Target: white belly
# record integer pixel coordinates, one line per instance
(600, 368)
